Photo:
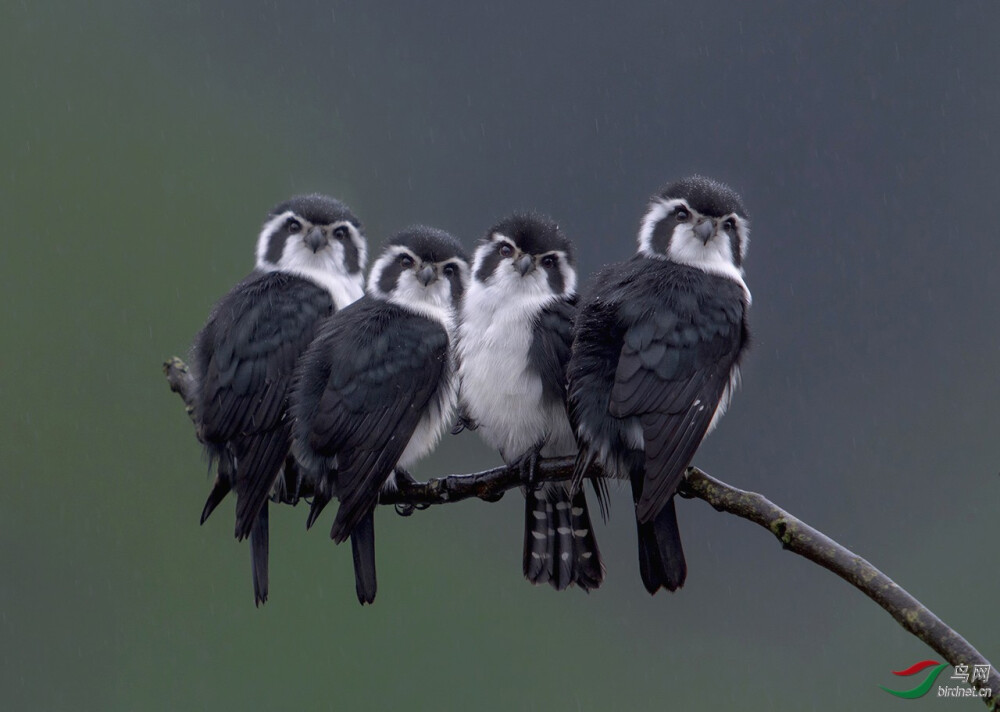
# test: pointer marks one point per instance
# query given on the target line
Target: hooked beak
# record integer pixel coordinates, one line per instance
(426, 275)
(315, 240)
(704, 230)
(524, 265)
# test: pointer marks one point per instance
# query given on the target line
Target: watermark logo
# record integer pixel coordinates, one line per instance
(962, 673)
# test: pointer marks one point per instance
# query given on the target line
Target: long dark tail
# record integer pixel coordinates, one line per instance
(560, 547)
(661, 555)
(258, 556)
(363, 548)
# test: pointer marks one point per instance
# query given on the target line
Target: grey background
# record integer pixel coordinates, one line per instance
(142, 146)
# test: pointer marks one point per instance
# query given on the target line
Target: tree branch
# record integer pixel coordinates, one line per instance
(795, 536)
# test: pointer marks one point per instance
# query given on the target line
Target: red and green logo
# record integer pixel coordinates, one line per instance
(924, 687)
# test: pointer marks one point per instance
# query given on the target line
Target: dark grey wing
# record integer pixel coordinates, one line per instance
(675, 364)
(245, 358)
(551, 345)
(590, 374)
(387, 364)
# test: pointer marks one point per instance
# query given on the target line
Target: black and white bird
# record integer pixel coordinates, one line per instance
(656, 356)
(376, 389)
(514, 341)
(311, 256)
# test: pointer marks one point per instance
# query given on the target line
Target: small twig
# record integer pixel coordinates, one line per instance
(794, 535)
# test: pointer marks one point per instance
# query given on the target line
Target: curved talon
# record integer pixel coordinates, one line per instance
(420, 507)
(404, 510)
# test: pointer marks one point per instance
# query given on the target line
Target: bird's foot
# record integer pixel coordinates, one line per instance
(403, 479)
(527, 466)
(404, 483)
(464, 422)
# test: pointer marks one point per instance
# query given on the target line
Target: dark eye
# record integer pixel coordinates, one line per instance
(293, 226)
(506, 250)
(406, 261)
(341, 233)
(449, 270)
(549, 261)
(682, 214)
(729, 225)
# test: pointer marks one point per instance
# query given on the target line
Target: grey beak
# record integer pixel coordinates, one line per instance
(315, 240)
(426, 275)
(704, 230)
(524, 265)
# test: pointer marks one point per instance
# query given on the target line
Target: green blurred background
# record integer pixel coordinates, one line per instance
(142, 145)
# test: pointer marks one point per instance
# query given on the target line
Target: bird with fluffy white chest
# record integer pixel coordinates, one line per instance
(513, 346)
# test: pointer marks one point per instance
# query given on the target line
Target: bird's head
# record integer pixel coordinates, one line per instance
(312, 234)
(422, 269)
(525, 255)
(698, 222)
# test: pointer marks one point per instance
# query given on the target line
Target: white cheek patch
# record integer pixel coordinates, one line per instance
(387, 258)
(657, 211)
(568, 275)
(264, 239)
(743, 230)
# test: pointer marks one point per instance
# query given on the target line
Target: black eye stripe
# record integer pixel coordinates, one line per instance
(389, 278)
(352, 258)
(556, 282)
(276, 245)
(488, 265)
(663, 233)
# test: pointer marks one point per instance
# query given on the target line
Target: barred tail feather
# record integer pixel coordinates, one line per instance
(586, 554)
(560, 547)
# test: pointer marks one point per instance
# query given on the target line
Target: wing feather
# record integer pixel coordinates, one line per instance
(245, 359)
(673, 368)
(384, 366)
(551, 347)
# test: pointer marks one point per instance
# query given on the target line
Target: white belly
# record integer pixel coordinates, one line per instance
(498, 390)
